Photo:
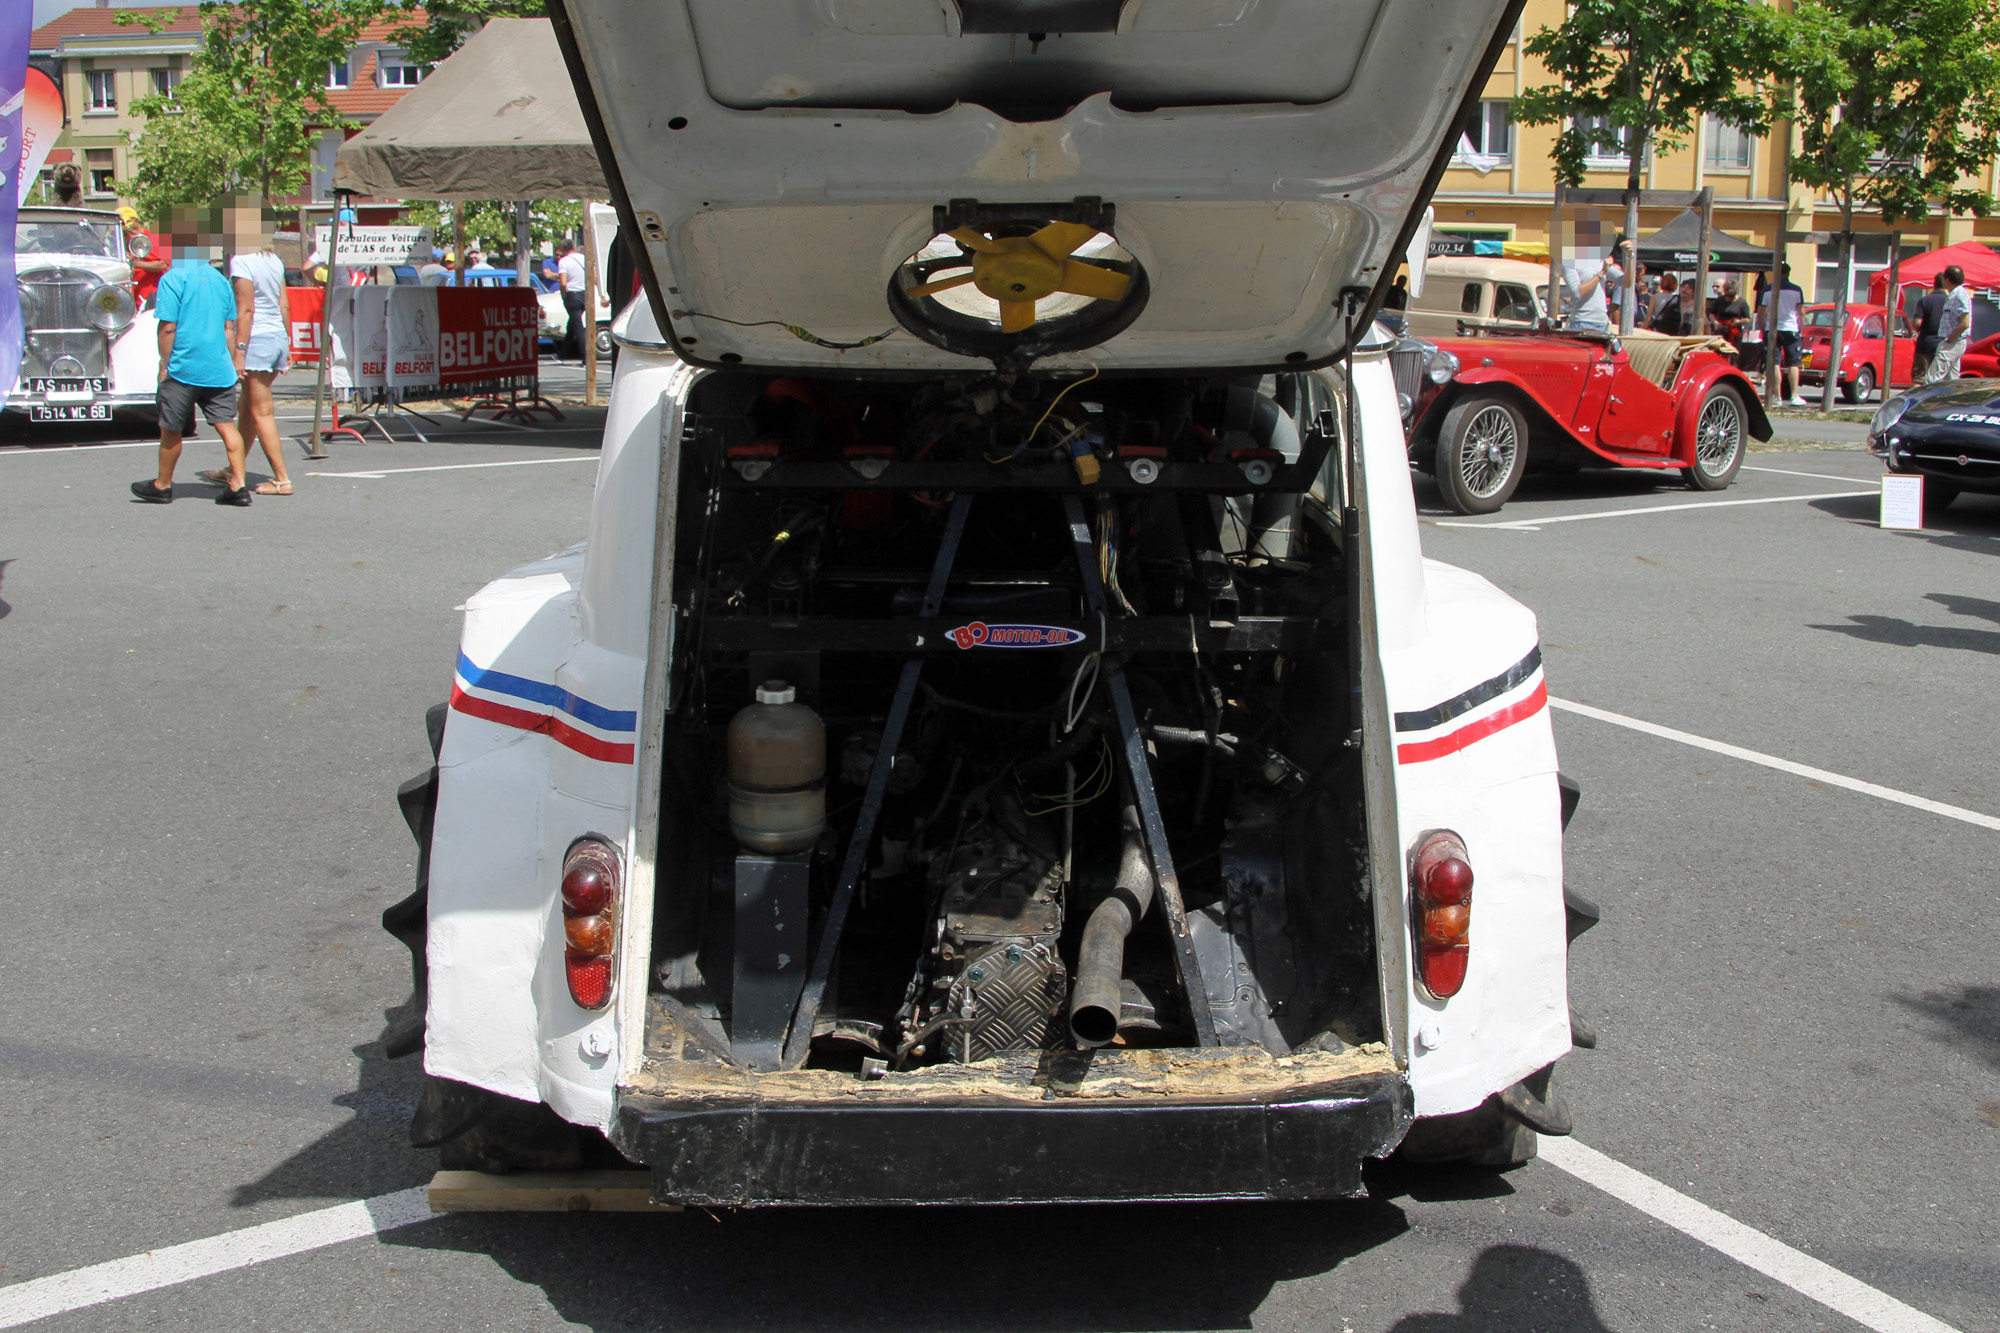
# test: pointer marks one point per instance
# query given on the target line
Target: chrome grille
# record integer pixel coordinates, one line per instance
(58, 326)
(1407, 359)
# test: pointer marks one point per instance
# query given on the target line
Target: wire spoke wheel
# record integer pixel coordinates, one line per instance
(1487, 451)
(1719, 434)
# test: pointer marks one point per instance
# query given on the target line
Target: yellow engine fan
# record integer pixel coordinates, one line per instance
(1018, 271)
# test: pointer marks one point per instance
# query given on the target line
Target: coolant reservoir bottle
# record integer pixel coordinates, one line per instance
(777, 773)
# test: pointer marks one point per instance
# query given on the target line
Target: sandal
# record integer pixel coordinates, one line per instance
(275, 488)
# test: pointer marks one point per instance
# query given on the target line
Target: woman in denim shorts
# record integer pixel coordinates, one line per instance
(263, 352)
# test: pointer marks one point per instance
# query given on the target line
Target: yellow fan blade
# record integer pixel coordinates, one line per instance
(1059, 239)
(1016, 316)
(979, 241)
(941, 285)
(1090, 280)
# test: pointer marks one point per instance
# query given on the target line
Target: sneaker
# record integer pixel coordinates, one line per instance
(148, 490)
(239, 498)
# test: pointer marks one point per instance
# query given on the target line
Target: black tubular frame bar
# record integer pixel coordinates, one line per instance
(798, 1043)
(1133, 747)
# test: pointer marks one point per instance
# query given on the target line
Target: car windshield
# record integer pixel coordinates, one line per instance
(67, 236)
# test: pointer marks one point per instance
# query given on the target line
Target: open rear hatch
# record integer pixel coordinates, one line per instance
(929, 185)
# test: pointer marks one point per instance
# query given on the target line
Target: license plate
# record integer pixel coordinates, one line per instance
(95, 384)
(68, 412)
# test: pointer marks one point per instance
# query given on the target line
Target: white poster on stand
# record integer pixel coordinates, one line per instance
(340, 333)
(1903, 503)
(370, 361)
(413, 336)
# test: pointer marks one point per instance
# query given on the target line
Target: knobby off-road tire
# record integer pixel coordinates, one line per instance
(1721, 433)
(1482, 452)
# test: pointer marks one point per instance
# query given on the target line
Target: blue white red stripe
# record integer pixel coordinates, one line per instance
(474, 683)
(1519, 693)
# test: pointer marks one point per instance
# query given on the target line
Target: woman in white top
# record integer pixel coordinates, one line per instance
(263, 352)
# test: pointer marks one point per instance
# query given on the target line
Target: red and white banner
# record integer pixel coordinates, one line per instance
(417, 337)
(41, 122)
(486, 333)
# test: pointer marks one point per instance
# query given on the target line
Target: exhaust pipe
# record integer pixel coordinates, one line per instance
(1095, 1002)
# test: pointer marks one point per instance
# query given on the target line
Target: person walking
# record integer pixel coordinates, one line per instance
(570, 271)
(1789, 300)
(1930, 318)
(1954, 328)
(197, 314)
(262, 347)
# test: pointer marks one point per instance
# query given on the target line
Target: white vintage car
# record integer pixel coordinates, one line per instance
(1001, 740)
(87, 348)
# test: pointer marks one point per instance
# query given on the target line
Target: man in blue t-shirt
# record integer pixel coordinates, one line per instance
(199, 356)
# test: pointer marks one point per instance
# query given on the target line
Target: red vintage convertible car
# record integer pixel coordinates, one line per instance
(1484, 410)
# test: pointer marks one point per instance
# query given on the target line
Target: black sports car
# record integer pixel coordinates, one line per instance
(1949, 433)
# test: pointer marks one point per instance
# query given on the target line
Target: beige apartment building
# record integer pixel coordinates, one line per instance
(1501, 183)
(103, 66)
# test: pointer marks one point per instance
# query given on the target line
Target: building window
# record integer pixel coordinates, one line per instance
(394, 70)
(1727, 148)
(102, 93)
(165, 81)
(1604, 145)
(1486, 132)
(337, 76)
(1871, 256)
(102, 176)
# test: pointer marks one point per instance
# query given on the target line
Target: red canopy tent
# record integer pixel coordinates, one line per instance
(1981, 265)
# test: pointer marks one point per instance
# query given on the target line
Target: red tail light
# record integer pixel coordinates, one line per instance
(590, 881)
(1441, 910)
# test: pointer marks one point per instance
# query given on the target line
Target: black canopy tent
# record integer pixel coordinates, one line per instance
(1677, 246)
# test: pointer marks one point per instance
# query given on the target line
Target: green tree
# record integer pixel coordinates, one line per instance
(1635, 74)
(1897, 104)
(253, 101)
(490, 226)
(445, 26)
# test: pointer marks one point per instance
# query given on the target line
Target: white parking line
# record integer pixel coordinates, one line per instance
(1746, 1245)
(1924, 803)
(59, 1293)
(25, 1302)
(1535, 524)
(1816, 476)
(382, 472)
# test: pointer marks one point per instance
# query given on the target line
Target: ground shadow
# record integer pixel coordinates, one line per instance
(1972, 524)
(369, 1153)
(1516, 1287)
(1909, 634)
(1968, 1016)
(1589, 484)
(1122, 1267)
(6, 607)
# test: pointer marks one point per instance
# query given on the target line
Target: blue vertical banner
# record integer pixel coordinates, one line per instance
(17, 20)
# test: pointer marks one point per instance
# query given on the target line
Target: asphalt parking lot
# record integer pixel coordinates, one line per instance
(208, 710)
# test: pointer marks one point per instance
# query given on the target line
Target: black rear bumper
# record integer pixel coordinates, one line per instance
(1305, 1143)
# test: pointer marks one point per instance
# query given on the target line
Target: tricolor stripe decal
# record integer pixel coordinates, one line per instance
(471, 677)
(1451, 742)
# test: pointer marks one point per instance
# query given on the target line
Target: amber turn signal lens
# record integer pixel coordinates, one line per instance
(1443, 926)
(589, 935)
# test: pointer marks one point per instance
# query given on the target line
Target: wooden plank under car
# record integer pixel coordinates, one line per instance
(545, 1192)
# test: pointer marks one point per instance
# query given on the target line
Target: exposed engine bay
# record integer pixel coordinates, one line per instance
(1010, 715)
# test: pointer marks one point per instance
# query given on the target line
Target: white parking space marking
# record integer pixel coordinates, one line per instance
(1924, 803)
(1816, 476)
(25, 1302)
(382, 472)
(1746, 1245)
(1535, 524)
